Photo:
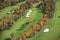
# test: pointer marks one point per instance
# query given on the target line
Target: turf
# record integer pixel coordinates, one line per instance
(36, 15)
(54, 26)
(8, 9)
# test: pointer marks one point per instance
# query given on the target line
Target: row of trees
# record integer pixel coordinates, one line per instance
(38, 26)
(48, 7)
(7, 21)
(6, 3)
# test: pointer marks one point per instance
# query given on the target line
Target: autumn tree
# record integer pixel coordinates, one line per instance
(5, 22)
(30, 2)
(11, 20)
(1, 26)
(36, 27)
(29, 33)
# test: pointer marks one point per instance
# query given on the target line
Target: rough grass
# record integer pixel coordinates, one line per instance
(36, 15)
(8, 9)
(54, 26)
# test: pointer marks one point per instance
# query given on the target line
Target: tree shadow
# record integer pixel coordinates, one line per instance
(7, 38)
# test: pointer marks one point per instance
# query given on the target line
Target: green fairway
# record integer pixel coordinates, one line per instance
(36, 15)
(8, 9)
(54, 26)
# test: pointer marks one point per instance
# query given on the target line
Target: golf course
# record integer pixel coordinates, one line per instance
(36, 16)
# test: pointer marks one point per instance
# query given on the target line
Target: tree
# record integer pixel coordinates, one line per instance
(17, 11)
(2, 6)
(36, 27)
(11, 20)
(26, 6)
(6, 3)
(20, 38)
(13, 2)
(41, 23)
(5, 22)
(29, 33)
(22, 7)
(21, 0)
(1, 26)
(15, 16)
(23, 37)
(37, 0)
(30, 2)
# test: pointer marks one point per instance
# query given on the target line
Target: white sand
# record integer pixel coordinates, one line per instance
(46, 30)
(28, 13)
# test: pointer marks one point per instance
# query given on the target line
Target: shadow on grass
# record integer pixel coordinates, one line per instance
(7, 38)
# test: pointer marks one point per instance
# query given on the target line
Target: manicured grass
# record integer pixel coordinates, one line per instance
(8, 9)
(54, 26)
(36, 15)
